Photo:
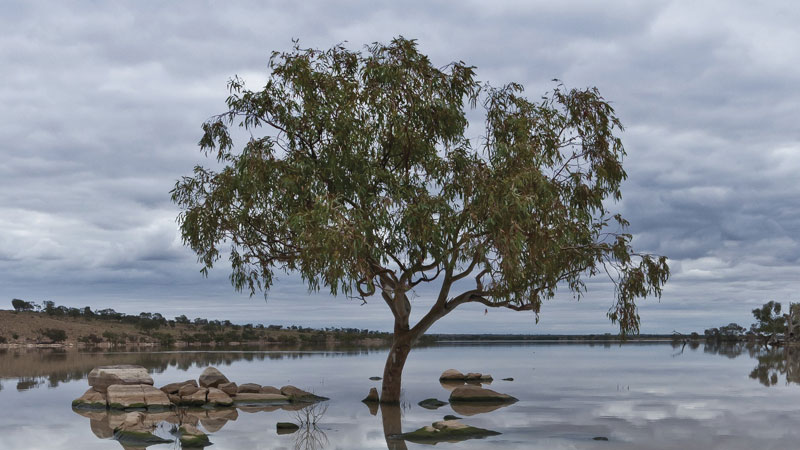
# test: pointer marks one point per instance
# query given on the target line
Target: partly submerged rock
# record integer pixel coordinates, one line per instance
(446, 431)
(196, 398)
(508, 379)
(431, 403)
(372, 397)
(249, 388)
(600, 438)
(470, 393)
(298, 395)
(216, 397)
(124, 396)
(173, 388)
(375, 378)
(451, 417)
(191, 437)
(155, 399)
(286, 427)
(90, 399)
(451, 375)
(270, 390)
(259, 398)
(188, 389)
(137, 439)
(229, 388)
(100, 378)
(211, 377)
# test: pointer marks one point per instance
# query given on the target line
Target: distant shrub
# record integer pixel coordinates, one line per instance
(165, 339)
(3, 339)
(90, 339)
(55, 334)
(14, 336)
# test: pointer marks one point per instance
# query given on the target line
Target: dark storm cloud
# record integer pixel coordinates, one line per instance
(102, 104)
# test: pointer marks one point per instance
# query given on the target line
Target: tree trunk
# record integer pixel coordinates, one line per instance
(393, 371)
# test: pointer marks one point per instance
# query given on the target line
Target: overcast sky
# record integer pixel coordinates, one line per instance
(101, 105)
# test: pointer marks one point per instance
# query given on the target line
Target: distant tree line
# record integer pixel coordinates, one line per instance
(769, 322)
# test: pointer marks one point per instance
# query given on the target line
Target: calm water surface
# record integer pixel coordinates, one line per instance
(639, 396)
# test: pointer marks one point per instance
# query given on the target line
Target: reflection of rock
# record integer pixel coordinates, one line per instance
(447, 431)
(472, 408)
(450, 385)
(373, 407)
(90, 399)
(478, 394)
(255, 408)
(372, 397)
(431, 403)
(100, 378)
(191, 437)
(211, 377)
(173, 388)
(217, 418)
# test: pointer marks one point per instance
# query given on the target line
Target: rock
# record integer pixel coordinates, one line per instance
(216, 397)
(249, 388)
(298, 395)
(447, 430)
(600, 438)
(286, 427)
(173, 388)
(90, 399)
(187, 390)
(270, 390)
(229, 388)
(473, 376)
(175, 399)
(451, 417)
(211, 377)
(479, 394)
(155, 399)
(375, 378)
(372, 397)
(486, 378)
(125, 396)
(191, 437)
(431, 403)
(508, 379)
(197, 398)
(249, 398)
(100, 378)
(451, 375)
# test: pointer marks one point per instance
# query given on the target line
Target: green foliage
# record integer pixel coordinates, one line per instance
(54, 334)
(21, 305)
(359, 175)
(769, 319)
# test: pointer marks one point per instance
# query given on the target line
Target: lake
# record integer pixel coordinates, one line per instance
(637, 395)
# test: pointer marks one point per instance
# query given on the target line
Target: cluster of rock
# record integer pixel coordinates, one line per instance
(126, 387)
(455, 375)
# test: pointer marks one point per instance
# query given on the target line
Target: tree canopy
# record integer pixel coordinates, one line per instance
(360, 173)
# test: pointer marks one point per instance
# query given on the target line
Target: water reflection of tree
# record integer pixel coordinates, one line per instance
(774, 363)
(54, 366)
(310, 436)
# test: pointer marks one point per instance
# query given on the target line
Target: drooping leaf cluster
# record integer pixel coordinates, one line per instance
(358, 174)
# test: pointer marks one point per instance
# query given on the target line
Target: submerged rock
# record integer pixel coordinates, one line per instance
(100, 378)
(90, 399)
(286, 427)
(447, 431)
(431, 403)
(211, 377)
(372, 397)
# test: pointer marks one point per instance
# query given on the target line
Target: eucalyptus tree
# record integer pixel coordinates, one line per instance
(357, 174)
